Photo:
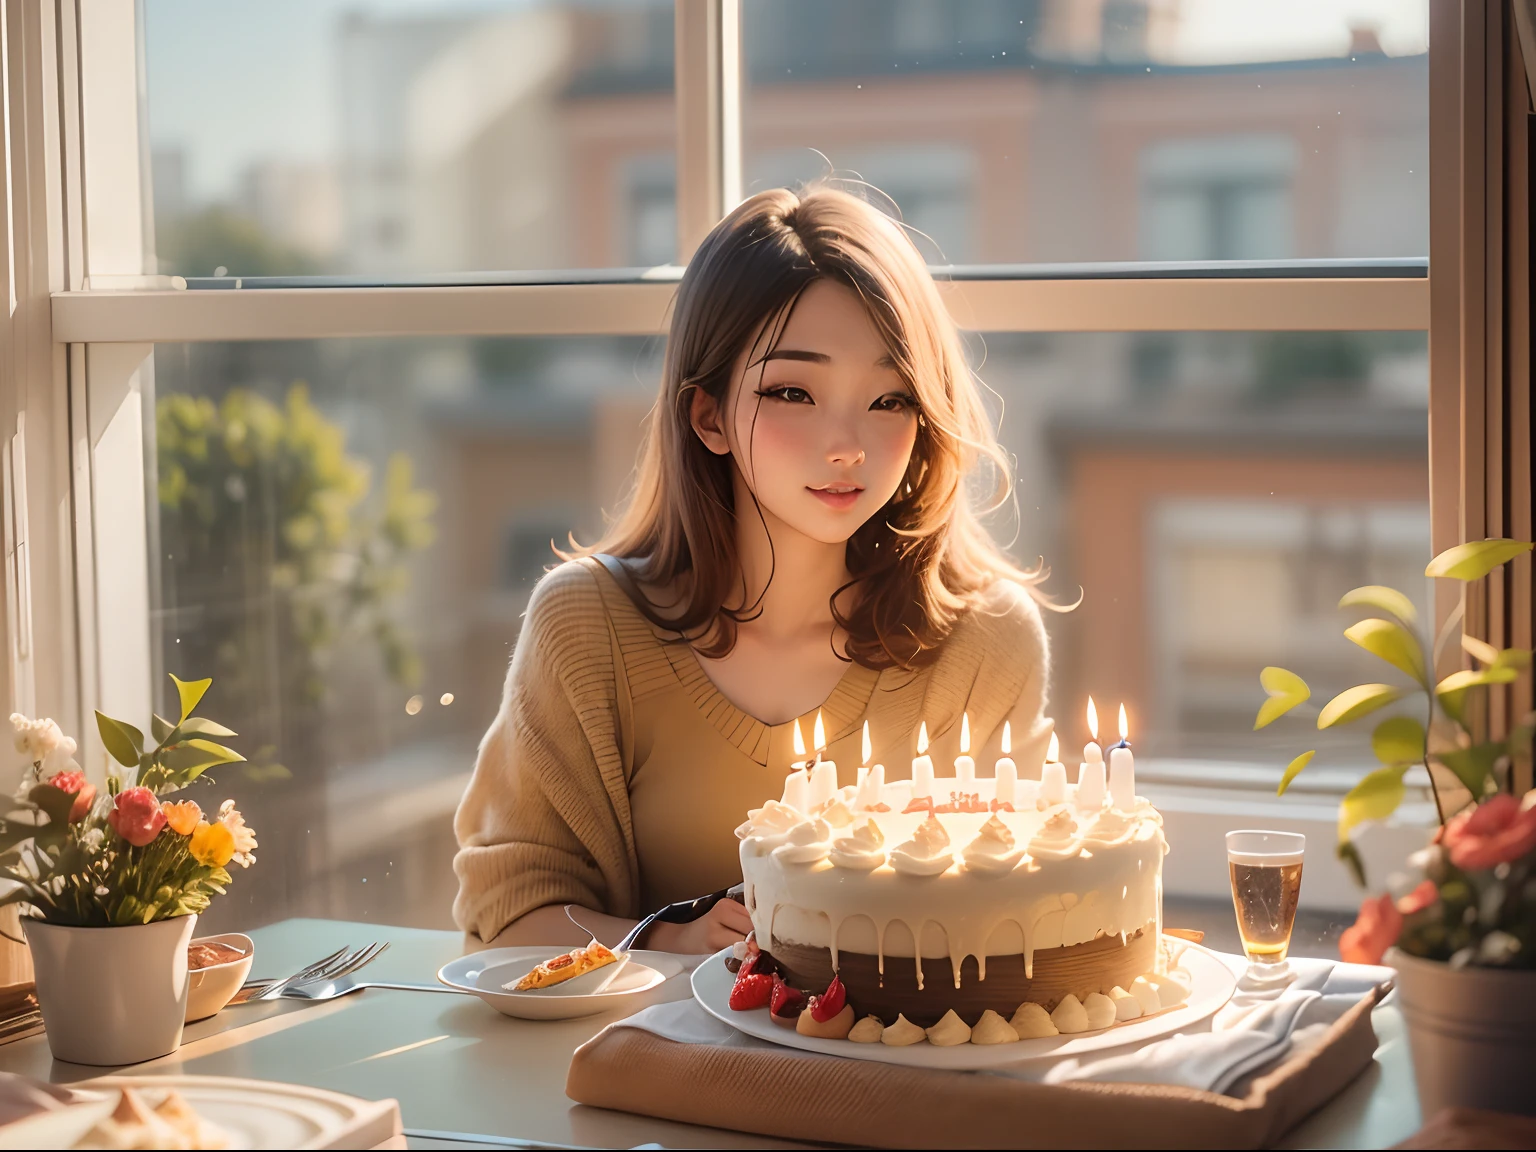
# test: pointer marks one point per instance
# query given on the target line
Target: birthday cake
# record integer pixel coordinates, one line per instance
(960, 896)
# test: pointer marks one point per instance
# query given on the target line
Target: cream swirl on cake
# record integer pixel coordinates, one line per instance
(927, 853)
(1057, 838)
(766, 827)
(863, 850)
(805, 843)
(995, 848)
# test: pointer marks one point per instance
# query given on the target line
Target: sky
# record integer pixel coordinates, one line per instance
(241, 81)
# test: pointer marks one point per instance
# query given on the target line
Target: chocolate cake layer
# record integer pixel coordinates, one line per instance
(1096, 966)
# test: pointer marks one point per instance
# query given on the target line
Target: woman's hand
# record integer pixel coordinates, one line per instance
(720, 927)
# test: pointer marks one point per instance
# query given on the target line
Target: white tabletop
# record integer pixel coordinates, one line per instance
(457, 1066)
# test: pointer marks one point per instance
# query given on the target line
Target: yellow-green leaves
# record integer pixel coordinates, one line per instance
(1399, 740)
(1383, 599)
(190, 692)
(1353, 703)
(1473, 765)
(1452, 691)
(1286, 690)
(1292, 770)
(1375, 798)
(1475, 559)
(123, 741)
(1390, 641)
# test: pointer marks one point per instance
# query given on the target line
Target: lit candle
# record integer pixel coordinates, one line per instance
(1007, 772)
(1122, 770)
(1053, 776)
(797, 783)
(824, 774)
(922, 766)
(871, 780)
(965, 767)
(1092, 753)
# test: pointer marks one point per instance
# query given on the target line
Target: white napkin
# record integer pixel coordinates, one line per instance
(1260, 1026)
(21, 1097)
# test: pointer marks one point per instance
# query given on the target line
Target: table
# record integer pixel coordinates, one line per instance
(457, 1066)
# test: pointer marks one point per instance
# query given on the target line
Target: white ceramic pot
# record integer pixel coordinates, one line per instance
(112, 996)
(1472, 1032)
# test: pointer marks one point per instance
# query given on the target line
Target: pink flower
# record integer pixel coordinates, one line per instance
(1493, 833)
(1419, 899)
(80, 788)
(1372, 933)
(136, 816)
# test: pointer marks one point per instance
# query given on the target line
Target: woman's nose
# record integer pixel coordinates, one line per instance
(847, 452)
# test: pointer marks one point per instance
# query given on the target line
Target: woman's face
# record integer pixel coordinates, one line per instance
(822, 428)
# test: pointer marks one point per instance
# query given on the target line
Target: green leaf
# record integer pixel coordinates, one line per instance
(1473, 766)
(1353, 703)
(1480, 650)
(53, 801)
(1390, 641)
(1383, 599)
(1452, 691)
(188, 760)
(1375, 798)
(197, 726)
(1398, 740)
(1349, 855)
(123, 741)
(1475, 559)
(190, 692)
(161, 729)
(1286, 690)
(1292, 770)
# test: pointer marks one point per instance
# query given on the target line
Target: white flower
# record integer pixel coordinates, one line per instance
(42, 742)
(103, 890)
(93, 839)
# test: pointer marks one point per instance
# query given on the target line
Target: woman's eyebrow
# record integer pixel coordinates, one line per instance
(817, 357)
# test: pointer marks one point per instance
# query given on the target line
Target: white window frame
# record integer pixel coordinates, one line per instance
(76, 374)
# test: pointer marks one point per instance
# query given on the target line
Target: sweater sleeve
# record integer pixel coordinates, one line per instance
(545, 819)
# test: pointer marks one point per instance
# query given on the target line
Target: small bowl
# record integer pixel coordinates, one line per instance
(209, 989)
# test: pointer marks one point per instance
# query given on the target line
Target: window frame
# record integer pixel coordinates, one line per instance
(78, 377)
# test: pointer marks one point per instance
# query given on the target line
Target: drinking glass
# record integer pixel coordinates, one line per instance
(1266, 886)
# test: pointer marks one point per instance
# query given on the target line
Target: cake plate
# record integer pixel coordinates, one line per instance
(1212, 986)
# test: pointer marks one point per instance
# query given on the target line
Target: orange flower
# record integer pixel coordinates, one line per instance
(1376, 930)
(1419, 899)
(1495, 832)
(212, 844)
(183, 816)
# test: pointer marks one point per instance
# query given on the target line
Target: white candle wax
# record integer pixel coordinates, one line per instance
(1122, 779)
(871, 788)
(1092, 753)
(922, 777)
(823, 782)
(1026, 794)
(965, 774)
(1007, 773)
(863, 772)
(1053, 783)
(1090, 786)
(797, 790)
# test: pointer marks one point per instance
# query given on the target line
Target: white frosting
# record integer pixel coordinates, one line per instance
(949, 1031)
(1100, 1009)
(993, 1029)
(902, 1033)
(1146, 994)
(1070, 883)
(927, 853)
(867, 1031)
(1032, 1022)
(1070, 1016)
(836, 813)
(863, 850)
(994, 850)
(805, 843)
(1127, 1007)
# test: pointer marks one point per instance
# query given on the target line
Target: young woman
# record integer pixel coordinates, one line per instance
(800, 540)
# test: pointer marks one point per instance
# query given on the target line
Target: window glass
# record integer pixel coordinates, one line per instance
(348, 530)
(1026, 131)
(382, 138)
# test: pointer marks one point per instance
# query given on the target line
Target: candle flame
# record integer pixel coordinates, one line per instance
(867, 748)
(1093, 719)
(965, 733)
(799, 742)
(1054, 751)
(819, 733)
(922, 738)
(1007, 737)
(1124, 727)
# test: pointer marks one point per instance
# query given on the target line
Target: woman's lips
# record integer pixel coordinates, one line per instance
(837, 496)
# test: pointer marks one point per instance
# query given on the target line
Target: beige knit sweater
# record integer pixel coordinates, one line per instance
(615, 771)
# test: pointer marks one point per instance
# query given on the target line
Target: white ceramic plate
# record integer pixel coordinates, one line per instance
(253, 1113)
(1213, 987)
(210, 989)
(483, 973)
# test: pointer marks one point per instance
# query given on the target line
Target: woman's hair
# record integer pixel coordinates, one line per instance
(920, 562)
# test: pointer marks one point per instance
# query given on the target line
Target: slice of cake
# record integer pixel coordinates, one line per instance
(954, 901)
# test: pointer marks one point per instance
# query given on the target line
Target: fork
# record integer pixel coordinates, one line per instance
(342, 986)
(333, 964)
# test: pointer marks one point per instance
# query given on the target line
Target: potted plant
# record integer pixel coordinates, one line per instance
(1463, 937)
(110, 884)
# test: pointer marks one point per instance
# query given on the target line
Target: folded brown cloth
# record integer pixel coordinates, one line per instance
(825, 1099)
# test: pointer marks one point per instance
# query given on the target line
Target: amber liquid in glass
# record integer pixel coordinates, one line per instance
(1265, 897)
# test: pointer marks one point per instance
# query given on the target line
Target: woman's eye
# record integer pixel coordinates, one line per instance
(892, 402)
(788, 393)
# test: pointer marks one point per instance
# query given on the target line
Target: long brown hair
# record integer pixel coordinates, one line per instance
(920, 562)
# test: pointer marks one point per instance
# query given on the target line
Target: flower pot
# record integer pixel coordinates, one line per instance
(1472, 1032)
(112, 995)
